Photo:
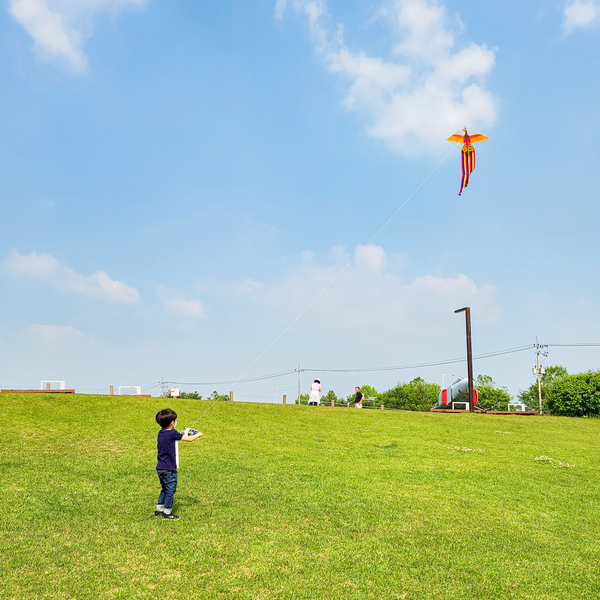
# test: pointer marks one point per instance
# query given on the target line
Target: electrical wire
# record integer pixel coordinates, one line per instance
(233, 381)
(152, 385)
(422, 365)
(238, 380)
(592, 344)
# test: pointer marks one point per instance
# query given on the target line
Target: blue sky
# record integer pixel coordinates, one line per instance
(180, 180)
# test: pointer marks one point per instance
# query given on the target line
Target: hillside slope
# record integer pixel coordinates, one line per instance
(285, 502)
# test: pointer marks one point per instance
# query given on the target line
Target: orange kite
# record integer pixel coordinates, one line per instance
(467, 153)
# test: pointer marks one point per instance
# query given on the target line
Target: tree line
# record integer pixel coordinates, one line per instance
(566, 395)
(575, 395)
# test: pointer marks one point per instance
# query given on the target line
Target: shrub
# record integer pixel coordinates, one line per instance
(190, 395)
(530, 396)
(575, 395)
(416, 395)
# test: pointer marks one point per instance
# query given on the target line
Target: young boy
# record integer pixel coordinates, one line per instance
(168, 460)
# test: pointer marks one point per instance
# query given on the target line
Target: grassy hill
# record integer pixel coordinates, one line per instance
(286, 502)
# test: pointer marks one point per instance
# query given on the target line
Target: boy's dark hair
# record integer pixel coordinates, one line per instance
(165, 417)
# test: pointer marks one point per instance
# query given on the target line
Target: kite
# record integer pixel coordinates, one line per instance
(467, 153)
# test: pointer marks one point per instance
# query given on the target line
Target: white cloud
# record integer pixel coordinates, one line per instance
(46, 268)
(51, 335)
(60, 28)
(247, 286)
(191, 308)
(36, 265)
(427, 93)
(371, 295)
(173, 303)
(580, 14)
(373, 257)
(280, 7)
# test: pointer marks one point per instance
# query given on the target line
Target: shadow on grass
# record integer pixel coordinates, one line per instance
(187, 501)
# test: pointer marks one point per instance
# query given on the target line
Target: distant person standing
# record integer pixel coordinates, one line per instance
(358, 398)
(315, 390)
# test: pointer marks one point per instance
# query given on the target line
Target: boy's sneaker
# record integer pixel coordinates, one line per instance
(170, 516)
(158, 513)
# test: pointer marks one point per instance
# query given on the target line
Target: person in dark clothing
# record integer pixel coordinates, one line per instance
(168, 460)
(358, 398)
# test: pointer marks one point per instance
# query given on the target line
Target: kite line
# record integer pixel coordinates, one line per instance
(333, 280)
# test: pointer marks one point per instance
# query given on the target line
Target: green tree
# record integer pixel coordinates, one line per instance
(216, 396)
(530, 396)
(328, 397)
(370, 392)
(190, 395)
(304, 398)
(575, 395)
(490, 396)
(415, 395)
(483, 381)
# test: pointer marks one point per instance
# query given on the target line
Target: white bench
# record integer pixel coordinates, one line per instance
(465, 404)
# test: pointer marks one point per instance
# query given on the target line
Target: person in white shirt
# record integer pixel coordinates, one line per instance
(315, 390)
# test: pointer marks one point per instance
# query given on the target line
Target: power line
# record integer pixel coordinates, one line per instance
(152, 385)
(356, 370)
(592, 344)
(230, 381)
(427, 364)
(239, 379)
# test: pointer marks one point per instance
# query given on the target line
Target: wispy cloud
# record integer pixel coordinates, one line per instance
(60, 28)
(426, 92)
(45, 267)
(280, 7)
(370, 296)
(51, 335)
(580, 14)
(174, 303)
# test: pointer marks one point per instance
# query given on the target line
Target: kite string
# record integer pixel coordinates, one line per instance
(334, 279)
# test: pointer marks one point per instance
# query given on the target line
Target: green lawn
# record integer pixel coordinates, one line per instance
(296, 502)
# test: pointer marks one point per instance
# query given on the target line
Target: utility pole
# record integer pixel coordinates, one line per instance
(467, 311)
(539, 371)
(299, 371)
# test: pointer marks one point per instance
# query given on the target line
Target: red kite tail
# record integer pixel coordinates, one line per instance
(468, 165)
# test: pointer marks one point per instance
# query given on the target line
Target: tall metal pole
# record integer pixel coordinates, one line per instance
(467, 311)
(539, 371)
(539, 377)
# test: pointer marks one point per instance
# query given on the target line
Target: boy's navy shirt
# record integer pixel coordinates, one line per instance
(167, 459)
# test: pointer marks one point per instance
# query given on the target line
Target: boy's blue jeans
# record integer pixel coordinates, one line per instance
(168, 482)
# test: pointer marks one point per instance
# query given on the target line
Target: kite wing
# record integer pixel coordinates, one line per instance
(478, 137)
(475, 137)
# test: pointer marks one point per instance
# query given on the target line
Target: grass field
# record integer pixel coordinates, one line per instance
(286, 502)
